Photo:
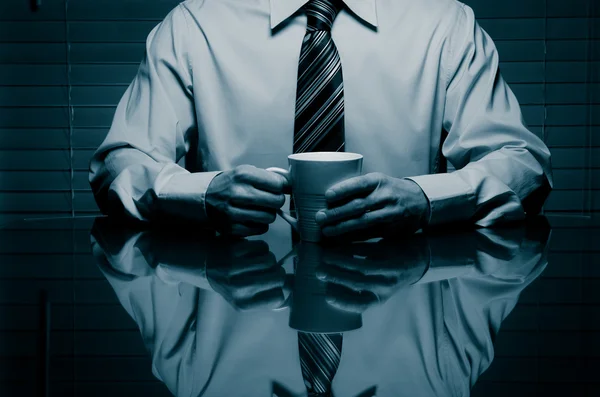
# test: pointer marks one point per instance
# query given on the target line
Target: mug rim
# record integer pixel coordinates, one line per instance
(342, 156)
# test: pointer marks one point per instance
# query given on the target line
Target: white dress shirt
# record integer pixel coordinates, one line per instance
(217, 89)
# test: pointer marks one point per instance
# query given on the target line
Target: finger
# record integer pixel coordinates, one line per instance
(367, 250)
(359, 235)
(352, 209)
(253, 264)
(270, 299)
(349, 300)
(231, 257)
(344, 256)
(248, 196)
(244, 248)
(357, 186)
(368, 267)
(341, 254)
(250, 216)
(226, 264)
(353, 280)
(251, 283)
(242, 230)
(363, 222)
(260, 178)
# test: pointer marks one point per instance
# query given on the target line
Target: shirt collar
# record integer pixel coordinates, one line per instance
(283, 9)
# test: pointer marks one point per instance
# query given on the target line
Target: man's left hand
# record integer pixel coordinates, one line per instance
(373, 205)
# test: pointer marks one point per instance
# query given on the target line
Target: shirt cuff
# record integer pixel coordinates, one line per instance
(451, 199)
(184, 195)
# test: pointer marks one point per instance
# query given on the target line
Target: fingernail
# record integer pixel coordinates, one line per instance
(321, 275)
(330, 300)
(320, 217)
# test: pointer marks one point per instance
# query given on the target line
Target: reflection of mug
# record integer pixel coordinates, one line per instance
(310, 175)
(310, 311)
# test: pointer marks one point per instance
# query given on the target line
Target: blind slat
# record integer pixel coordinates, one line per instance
(81, 53)
(33, 181)
(122, 74)
(11, 10)
(14, 160)
(109, 95)
(34, 139)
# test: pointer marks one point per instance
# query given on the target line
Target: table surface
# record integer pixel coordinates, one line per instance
(90, 307)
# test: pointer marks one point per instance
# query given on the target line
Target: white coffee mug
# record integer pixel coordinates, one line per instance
(311, 175)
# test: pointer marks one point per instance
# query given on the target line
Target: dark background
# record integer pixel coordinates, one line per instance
(64, 68)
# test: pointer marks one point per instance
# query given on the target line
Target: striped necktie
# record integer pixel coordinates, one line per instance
(319, 122)
(319, 359)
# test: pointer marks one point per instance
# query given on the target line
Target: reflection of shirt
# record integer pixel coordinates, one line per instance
(217, 89)
(432, 339)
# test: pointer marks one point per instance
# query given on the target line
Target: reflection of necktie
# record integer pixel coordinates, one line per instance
(319, 357)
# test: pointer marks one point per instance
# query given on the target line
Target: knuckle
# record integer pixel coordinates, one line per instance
(238, 191)
(375, 177)
(239, 230)
(334, 213)
(281, 182)
(230, 214)
(237, 171)
(371, 176)
(361, 204)
(280, 201)
(242, 171)
(367, 181)
(271, 216)
(242, 291)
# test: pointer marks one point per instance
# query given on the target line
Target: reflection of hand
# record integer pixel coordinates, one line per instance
(376, 205)
(246, 274)
(363, 274)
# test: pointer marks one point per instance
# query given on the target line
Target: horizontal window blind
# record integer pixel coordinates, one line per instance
(550, 56)
(64, 67)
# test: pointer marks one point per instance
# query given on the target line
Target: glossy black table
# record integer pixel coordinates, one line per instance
(89, 307)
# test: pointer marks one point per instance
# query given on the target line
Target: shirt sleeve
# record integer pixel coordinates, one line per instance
(503, 170)
(135, 172)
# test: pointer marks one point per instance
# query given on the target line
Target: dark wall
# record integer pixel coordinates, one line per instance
(64, 67)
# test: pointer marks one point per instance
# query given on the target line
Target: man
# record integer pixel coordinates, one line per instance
(229, 88)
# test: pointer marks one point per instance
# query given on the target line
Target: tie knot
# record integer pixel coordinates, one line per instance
(321, 14)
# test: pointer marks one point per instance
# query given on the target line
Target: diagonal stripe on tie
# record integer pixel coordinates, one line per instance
(319, 358)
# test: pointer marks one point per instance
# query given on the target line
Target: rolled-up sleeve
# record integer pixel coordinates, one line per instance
(135, 172)
(503, 170)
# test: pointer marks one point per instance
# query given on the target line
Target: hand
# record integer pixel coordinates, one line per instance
(361, 275)
(246, 274)
(373, 205)
(243, 201)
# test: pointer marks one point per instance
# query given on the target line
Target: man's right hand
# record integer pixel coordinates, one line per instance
(244, 201)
